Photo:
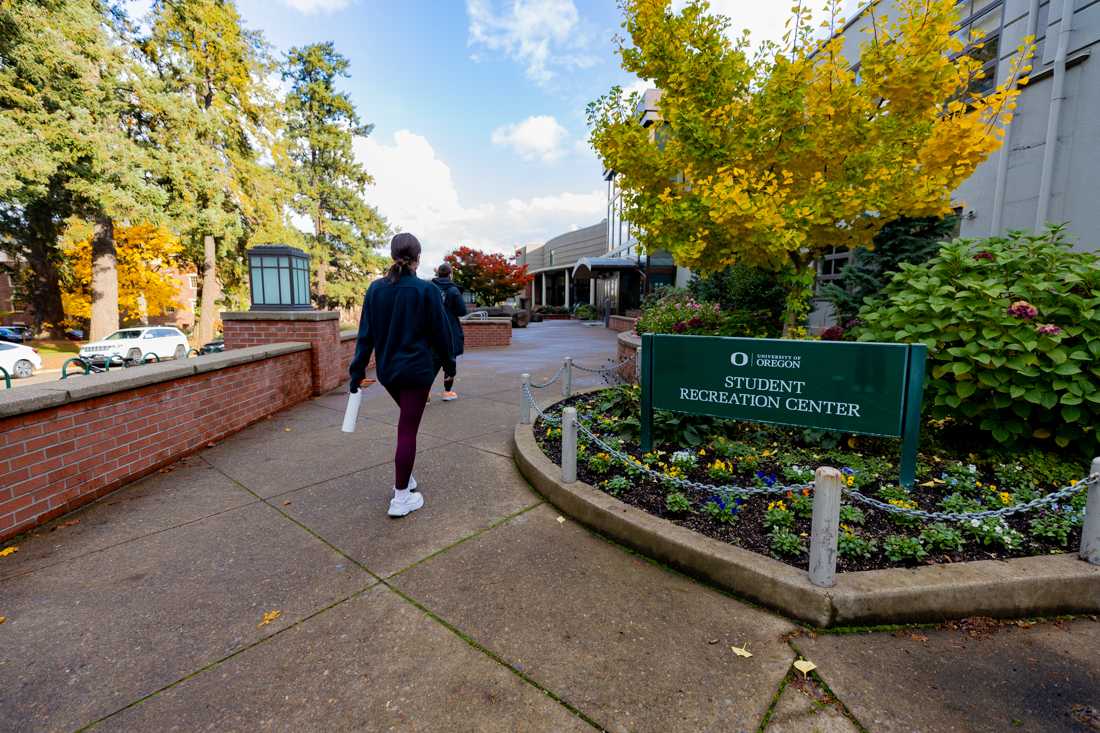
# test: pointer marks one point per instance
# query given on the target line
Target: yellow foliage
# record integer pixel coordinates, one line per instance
(145, 255)
(772, 159)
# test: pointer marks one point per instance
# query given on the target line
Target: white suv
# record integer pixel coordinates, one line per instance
(134, 344)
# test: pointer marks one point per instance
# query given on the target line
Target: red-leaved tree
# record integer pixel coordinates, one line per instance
(490, 277)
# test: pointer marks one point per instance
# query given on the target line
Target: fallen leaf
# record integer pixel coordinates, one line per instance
(286, 503)
(9, 551)
(269, 617)
(286, 430)
(3, 619)
(741, 651)
(69, 523)
(804, 666)
(918, 637)
(211, 445)
(561, 520)
(929, 484)
(712, 641)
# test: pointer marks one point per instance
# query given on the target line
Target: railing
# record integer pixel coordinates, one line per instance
(476, 316)
(7, 378)
(828, 485)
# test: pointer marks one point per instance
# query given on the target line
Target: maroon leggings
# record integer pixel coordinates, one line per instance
(411, 400)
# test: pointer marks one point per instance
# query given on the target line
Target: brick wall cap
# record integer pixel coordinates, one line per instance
(287, 315)
(236, 357)
(631, 339)
(349, 335)
(484, 321)
(22, 400)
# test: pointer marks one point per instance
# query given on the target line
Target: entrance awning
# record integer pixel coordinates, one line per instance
(588, 266)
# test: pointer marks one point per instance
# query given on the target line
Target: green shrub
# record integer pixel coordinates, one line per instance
(616, 485)
(677, 503)
(751, 296)
(1054, 526)
(1012, 325)
(585, 312)
(851, 515)
(942, 538)
(899, 548)
(850, 545)
(786, 542)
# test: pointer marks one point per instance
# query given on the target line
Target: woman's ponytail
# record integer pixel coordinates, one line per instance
(405, 250)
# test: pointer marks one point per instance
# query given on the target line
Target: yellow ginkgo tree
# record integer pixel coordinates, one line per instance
(771, 158)
(146, 260)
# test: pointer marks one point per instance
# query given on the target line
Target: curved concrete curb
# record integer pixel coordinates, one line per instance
(1029, 586)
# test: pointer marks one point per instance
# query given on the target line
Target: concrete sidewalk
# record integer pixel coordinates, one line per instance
(482, 611)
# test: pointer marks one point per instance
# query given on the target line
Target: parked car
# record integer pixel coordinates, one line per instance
(75, 335)
(12, 335)
(133, 344)
(214, 347)
(20, 361)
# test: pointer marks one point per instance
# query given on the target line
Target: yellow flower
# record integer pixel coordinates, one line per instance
(1005, 497)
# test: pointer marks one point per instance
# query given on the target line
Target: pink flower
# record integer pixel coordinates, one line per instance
(833, 333)
(984, 256)
(1023, 309)
(679, 327)
(1048, 329)
(695, 322)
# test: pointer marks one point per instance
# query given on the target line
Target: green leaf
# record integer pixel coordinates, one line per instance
(1071, 413)
(965, 389)
(1067, 369)
(1058, 356)
(1071, 399)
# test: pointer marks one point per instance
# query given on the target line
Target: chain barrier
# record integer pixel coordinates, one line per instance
(555, 378)
(727, 490)
(605, 370)
(1042, 501)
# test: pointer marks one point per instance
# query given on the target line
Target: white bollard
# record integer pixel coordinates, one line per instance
(824, 527)
(1090, 531)
(524, 404)
(569, 445)
(567, 378)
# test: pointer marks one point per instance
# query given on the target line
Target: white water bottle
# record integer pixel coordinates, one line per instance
(351, 414)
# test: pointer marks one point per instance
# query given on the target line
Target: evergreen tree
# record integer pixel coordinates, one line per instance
(72, 99)
(214, 136)
(321, 124)
(912, 241)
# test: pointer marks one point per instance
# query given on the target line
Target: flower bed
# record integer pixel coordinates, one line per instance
(954, 474)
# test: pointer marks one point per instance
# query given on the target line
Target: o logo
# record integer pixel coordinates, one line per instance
(739, 358)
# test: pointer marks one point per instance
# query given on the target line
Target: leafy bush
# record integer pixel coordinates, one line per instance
(677, 503)
(942, 538)
(1012, 325)
(899, 548)
(722, 510)
(753, 295)
(904, 241)
(786, 542)
(616, 485)
(585, 312)
(850, 545)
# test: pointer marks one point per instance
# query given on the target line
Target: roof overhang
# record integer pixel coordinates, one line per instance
(589, 266)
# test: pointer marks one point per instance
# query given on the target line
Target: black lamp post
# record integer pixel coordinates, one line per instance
(279, 278)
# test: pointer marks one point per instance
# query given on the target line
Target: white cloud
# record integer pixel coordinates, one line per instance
(638, 86)
(415, 191)
(536, 138)
(309, 7)
(541, 34)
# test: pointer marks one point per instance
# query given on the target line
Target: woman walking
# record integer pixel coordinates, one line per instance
(404, 324)
(456, 308)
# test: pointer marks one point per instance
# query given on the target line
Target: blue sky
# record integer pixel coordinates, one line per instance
(478, 105)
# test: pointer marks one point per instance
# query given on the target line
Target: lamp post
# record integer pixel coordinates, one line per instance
(279, 278)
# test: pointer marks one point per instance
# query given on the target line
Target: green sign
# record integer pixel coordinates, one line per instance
(867, 388)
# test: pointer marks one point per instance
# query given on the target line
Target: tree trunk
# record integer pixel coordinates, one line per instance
(799, 283)
(104, 279)
(204, 327)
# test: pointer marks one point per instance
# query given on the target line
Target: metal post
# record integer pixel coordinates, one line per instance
(567, 378)
(524, 404)
(1090, 531)
(824, 527)
(569, 445)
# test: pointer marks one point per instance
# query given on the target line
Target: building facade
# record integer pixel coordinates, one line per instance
(13, 309)
(1047, 169)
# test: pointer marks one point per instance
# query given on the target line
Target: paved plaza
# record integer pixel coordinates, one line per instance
(259, 585)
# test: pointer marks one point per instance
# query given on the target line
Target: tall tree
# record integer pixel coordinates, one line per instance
(216, 135)
(489, 276)
(772, 159)
(320, 129)
(71, 97)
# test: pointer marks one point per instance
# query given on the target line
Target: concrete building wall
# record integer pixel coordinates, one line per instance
(1074, 198)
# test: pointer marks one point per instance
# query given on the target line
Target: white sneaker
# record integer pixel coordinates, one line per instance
(401, 506)
(412, 483)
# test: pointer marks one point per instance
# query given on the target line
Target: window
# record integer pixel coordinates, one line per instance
(124, 335)
(831, 265)
(4, 346)
(193, 281)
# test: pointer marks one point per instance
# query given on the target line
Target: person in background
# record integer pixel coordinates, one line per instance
(456, 308)
(404, 324)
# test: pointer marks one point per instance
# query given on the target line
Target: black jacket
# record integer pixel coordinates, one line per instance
(456, 308)
(404, 324)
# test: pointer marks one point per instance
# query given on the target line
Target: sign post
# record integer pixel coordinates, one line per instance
(851, 387)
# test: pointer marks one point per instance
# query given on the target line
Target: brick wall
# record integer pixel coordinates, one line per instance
(321, 330)
(621, 323)
(55, 459)
(627, 346)
(488, 332)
